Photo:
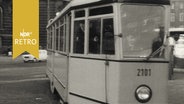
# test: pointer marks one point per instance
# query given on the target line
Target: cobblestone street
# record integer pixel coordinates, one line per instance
(24, 83)
(176, 89)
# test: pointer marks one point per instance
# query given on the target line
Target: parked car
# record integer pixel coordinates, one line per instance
(30, 58)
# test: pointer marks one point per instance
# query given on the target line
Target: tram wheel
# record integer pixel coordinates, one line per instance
(61, 102)
(52, 88)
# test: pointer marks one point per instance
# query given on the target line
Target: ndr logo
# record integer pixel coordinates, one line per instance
(25, 34)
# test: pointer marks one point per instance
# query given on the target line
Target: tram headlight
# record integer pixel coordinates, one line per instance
(143, 93)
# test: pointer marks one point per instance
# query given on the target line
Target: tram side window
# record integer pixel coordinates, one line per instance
(64, 38)
(62, 35)
(49, 39)
(78, 44)
(1, 17)
(57, 39)
(61, 38)
(108, 37)
(100, 11)
(101, 36)
(94, 36)
(80, 13)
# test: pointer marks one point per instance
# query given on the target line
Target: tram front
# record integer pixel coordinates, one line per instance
(143, 70)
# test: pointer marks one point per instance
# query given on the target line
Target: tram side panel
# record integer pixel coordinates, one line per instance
(61, 75)
(49, 69)
(86, 81)
(125, 78)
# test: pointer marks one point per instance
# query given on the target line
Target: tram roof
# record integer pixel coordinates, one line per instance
(78, 3)
(83, 2)
(166, 2)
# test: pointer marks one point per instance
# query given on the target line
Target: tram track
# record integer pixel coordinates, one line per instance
(22, 80)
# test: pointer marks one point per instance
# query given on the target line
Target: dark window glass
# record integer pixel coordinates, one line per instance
(101, 10)
(64, 38)
(50, 40)
(61, 21)
(78, 44)
(69, 28)
(108, 37)
(1, 18)
(94, 36)
(79, 13)
(57, 39)
(101, 36)
(62, 34)
(61, 38)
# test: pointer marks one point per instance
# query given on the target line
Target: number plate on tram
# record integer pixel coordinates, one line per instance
(143, 72)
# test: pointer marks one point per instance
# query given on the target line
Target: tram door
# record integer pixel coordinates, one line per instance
(88, 76)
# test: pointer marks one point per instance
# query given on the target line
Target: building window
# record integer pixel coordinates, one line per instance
(1, 18)
(172, 5)
(181, 26)
(181, 16)
(172, 17)
(181, 5)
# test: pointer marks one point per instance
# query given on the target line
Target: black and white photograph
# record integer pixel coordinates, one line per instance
(96, 52)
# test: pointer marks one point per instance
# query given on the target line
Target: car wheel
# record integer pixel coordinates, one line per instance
(34, 60)
(25, 61)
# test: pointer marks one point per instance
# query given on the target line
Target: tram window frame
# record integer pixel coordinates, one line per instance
(1, 17)
(57, 33)
(62, 36)
(149, 52)
(108, 37)
(79, 13)
(49, 38)
(68, 31)
(86, 32)
(99, 40)
(65, 33)
(78, 41)
(101, 10)
(52, 37)
(94, 39)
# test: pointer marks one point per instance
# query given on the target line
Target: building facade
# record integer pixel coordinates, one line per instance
(5, 24)
(177, 14)
(47, 11)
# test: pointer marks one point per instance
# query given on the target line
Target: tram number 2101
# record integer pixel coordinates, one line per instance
(143, 72)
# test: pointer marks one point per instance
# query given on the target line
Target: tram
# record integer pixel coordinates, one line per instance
(110, 52)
